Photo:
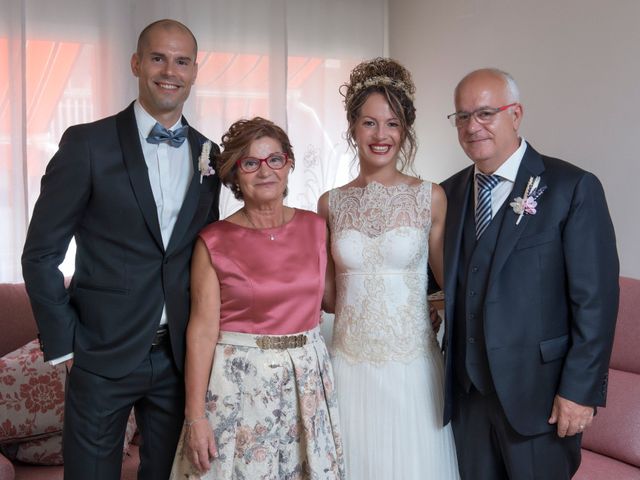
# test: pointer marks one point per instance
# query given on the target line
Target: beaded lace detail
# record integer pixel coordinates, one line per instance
(379, 242)
(376, 209)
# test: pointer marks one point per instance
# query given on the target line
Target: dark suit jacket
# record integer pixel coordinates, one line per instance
(96, 188)
(552, 295)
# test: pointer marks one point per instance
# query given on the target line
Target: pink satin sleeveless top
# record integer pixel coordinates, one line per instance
(269, 286)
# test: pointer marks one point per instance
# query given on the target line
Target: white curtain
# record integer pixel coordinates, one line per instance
(65, 62)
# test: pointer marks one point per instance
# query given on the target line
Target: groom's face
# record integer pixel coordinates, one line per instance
(488, 144)
(166, 67)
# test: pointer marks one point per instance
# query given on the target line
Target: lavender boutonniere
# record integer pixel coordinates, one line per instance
(204, 165)
(528, 203)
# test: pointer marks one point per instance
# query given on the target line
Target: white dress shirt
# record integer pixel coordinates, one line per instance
(507, 173)
(170, 171)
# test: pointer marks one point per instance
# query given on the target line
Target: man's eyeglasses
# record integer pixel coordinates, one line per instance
(275, 161)
(482, 115)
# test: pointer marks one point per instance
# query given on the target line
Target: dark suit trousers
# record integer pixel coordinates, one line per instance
(489, 449)
(96, 412)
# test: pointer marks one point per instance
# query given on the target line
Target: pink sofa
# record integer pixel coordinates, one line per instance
(611, 447)
(17, 327)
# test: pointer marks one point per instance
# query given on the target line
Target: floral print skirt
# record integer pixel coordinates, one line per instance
(273, 413)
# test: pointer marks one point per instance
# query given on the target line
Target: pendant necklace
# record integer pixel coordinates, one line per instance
(271, 236)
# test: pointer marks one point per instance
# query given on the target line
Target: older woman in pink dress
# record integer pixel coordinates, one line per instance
(259, 385)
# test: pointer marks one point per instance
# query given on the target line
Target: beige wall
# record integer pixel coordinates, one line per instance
(577, 63)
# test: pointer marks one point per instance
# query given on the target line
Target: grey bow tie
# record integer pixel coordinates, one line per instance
(159, 134)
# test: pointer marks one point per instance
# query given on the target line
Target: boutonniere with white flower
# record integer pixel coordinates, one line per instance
(204, 164)
(527, 204)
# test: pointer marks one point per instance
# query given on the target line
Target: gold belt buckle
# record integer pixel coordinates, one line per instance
(281, 342)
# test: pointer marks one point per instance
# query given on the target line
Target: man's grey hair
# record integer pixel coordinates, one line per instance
(512, 87)
(513, 92)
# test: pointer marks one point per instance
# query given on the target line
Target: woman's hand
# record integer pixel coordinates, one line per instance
(200, 446)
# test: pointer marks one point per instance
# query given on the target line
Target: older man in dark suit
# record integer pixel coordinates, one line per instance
(531, 282)
(133, 189)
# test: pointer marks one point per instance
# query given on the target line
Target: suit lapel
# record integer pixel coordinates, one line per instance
(458, 202)
(192, 196)
(137, 170)
(531, 166)
(457, 209)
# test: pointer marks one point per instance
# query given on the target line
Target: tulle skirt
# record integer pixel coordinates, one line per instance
(391, 419)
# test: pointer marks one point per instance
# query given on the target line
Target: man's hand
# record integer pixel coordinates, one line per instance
(68, 364)
(570, 417)
(436, 319)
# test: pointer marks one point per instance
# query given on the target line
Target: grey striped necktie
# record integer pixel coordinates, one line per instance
(485, 183)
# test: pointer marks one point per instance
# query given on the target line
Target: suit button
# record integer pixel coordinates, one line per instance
(472, 293)
(472, 316)
(471, 340)
(475, 269)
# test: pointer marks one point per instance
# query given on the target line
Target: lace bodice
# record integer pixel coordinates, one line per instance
(379, 243)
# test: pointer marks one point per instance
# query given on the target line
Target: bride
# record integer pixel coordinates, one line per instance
(384, 227)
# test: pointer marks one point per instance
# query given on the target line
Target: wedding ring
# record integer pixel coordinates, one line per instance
(581, 427)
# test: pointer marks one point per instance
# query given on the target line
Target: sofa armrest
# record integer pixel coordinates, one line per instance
(7, 471)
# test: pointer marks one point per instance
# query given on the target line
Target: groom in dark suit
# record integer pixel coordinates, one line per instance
(531, 282)
(133, 189)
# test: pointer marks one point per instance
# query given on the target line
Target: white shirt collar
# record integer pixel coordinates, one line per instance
(509, 169)
(145, 121)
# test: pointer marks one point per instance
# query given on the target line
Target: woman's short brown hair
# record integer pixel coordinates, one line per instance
(236, 143)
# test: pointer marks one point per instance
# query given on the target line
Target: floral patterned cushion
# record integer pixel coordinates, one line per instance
(41, 451)
(32, 407)
(48, 450)
(31, 395)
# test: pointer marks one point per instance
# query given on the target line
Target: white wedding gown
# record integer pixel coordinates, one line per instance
(387, 362)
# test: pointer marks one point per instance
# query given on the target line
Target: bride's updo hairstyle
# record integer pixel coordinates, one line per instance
(388, 77)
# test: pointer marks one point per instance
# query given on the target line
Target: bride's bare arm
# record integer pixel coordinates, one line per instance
(329, 297)
(436, 235)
